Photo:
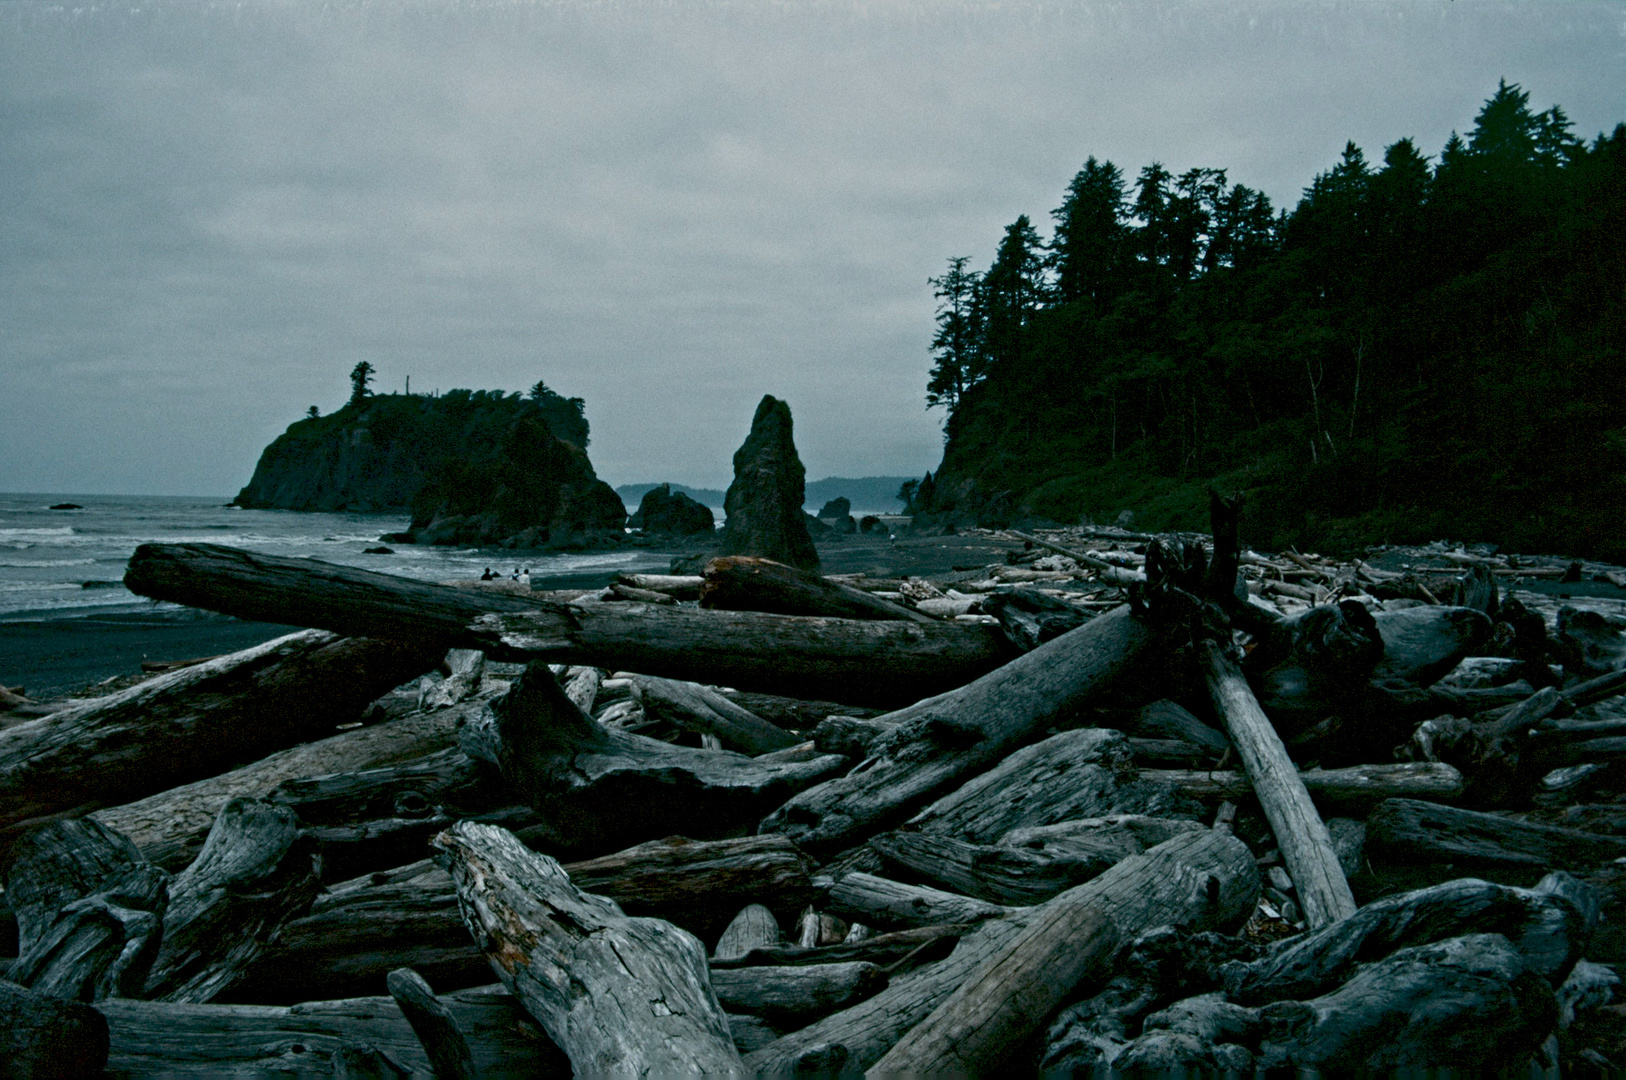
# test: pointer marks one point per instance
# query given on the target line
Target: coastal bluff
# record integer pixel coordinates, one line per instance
(479, 467)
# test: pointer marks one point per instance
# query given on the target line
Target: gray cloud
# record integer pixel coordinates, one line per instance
(211, 211)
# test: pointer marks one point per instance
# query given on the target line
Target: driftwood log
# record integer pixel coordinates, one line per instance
(748, 583)
(165, 1038)
(254, 873)
(693, 707)
(941, 740)
(194, 723)
(835, 659)
(90, 912)
(169, 827)
(1300, 833)
(1204, 879)
(598, 789)
(618, 994)
(360, 930)
(437, 1029)
(44, 1036)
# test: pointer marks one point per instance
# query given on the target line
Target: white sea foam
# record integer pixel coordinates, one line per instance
(20, 533)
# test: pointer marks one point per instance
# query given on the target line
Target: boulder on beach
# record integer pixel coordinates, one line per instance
(764, 503)
(672, 514)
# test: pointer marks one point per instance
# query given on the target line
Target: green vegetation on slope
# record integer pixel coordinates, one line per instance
(1419, 349)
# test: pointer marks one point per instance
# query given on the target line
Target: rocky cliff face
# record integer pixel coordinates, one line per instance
(479, 467)
(764, 503)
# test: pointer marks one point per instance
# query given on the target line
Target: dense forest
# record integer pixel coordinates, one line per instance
(1421, 348)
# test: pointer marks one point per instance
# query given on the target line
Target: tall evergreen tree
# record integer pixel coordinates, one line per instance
(360, 377)
(1088, 244)
(957, 346)
(1010, 294)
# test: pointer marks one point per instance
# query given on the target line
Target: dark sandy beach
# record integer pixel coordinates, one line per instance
(67, 657)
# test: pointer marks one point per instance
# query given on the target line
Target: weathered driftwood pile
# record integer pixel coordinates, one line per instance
(1006, 820)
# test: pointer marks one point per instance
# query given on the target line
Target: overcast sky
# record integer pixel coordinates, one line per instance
(209, 211)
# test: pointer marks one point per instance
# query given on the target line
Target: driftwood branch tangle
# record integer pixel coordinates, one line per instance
(194, 722)
(1300, 832)
(619, 995)
(941, 740)
(862, 662)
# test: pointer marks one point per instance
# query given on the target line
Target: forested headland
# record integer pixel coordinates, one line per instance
(1423, 347)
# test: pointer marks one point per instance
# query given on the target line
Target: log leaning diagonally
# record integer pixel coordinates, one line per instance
(833, 659)
(943, 739)
(618, 994)
(194, 722)
(1300, 833)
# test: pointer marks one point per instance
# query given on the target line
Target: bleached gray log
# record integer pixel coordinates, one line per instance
(677, 586)
(883, 902)
(1115, 836)
(155, 1038)
(1410, 830)
(993, 873)
(1077, 774)
(833, 659)
(45, 1036)
(894, 950)
(749, 583)
(194, 722)
(791, 997)
(693, 707)
(998, 1008)
(169, 827)
(467, 669)
(753, 928)
(255, 873)
(432, 1022)
(1300, 833)
(1206, 880)
(360, 930)
(1165, 719)
(1356, 784)
(598, 789)
(618, 994)
(1421, 645)
(942, 740)
(581, 685)
(90, 911)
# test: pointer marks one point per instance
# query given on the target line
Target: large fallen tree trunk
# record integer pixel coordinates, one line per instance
(1300, 832)
(1204, 879)
(194, 722)
(157, 1038)
(598, 788)
(618, 994)
(834, 659)
(748, 583)
(360, 930)
(169, 827)
(939, 741)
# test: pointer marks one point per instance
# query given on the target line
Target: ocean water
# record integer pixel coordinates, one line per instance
(58, 564)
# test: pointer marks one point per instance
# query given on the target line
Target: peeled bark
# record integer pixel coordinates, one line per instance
(194, 723)
(618, 994)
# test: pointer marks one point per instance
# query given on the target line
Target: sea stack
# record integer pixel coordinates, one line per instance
(764, 503)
